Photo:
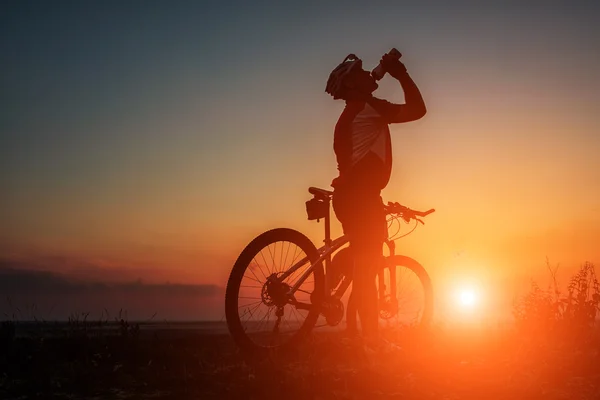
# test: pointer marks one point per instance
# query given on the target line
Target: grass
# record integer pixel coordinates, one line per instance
(175, 364)
(550, 311)
(551, 352)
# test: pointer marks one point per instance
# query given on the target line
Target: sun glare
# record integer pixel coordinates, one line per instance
(467, 298)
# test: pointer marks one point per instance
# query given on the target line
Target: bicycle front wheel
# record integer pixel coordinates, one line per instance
(408, 291)
(260, 314)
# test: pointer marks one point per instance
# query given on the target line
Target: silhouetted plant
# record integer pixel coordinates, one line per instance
(7, 332)
(581, 304)
(536, 309)
(549, 310)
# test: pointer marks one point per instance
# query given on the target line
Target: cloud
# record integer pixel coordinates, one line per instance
(49, 295)
(26, 281)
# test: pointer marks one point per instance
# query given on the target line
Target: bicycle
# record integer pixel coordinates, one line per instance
(301, 288)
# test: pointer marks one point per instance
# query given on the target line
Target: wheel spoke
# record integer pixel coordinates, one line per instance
(256, 280)
(263, 322)
(250, 304)
(261, 271)
(265, 261)
(294, 258)
(286, 255)
(409, 294)
(296, 255)
(281, 259)
(259, 267)
(273, 255)
(296, 313)
(250, 312)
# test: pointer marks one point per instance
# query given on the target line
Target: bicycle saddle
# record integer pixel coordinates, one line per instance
(320, 193)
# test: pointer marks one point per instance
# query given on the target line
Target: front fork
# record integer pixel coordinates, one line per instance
(381, 276)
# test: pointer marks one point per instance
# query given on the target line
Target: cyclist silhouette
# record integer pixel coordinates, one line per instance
(362, 146)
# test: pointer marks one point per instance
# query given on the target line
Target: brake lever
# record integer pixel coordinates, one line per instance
(421, 221)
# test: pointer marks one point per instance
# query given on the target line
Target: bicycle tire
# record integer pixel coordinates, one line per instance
(421, 273)
(241, 338)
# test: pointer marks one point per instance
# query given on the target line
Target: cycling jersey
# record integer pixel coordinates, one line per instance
(362, 143)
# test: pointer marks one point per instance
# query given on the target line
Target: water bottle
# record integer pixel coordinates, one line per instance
(378, 72)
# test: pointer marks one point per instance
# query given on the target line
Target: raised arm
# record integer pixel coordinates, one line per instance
(413, 107)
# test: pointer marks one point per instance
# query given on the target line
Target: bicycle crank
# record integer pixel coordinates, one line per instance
(333, 310)
(388, 308)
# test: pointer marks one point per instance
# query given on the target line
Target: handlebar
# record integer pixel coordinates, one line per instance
(406, 213)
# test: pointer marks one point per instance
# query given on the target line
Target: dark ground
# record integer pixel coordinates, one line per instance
(186, 362)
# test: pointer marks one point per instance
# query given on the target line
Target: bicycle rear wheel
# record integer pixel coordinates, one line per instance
(410, 298)
(260, 316)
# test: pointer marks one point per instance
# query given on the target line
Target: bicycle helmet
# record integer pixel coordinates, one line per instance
(335, 83)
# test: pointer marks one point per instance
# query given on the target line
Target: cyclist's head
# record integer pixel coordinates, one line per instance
(349, 80)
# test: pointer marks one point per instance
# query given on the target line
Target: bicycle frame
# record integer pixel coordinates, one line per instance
(325, 255)
(281, 290)
(325, 251)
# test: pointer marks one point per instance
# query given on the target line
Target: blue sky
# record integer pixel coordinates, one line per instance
(160, 133)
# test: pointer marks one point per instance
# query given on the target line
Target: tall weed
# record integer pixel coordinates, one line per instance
(552, 310)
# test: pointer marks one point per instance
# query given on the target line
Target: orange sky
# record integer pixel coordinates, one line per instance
(202, 145)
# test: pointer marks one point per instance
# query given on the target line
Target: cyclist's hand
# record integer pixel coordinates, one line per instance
(392, 65)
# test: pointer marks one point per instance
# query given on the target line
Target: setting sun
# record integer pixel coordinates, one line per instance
(467, 298)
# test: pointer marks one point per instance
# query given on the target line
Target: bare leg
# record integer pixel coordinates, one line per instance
(364, 288)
